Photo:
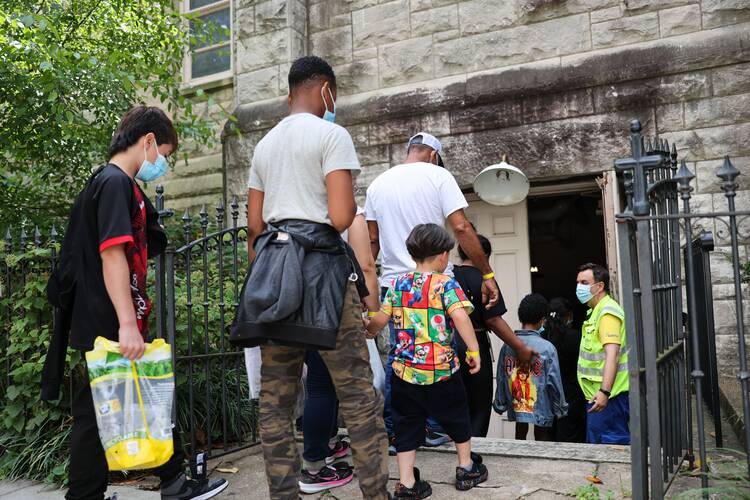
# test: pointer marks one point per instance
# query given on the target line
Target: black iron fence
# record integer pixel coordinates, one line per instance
(194, 287)
(666, 362)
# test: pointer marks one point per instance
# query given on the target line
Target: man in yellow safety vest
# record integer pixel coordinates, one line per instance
(603, 359)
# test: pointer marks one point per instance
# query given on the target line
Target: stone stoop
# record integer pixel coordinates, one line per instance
(545, 450)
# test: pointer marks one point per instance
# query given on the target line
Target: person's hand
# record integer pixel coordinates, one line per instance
(490, 292)
(600, 402)
(472, 359)
(132, 345)
(524, 357)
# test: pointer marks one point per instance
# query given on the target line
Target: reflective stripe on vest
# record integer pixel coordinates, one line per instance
(592, 357)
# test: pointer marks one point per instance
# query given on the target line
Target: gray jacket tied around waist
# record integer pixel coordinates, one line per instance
(295, 288)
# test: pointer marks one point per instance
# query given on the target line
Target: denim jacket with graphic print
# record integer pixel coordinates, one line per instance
(535, 397)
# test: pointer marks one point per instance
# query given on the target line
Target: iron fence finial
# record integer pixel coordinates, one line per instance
(53, 234)
(8, 241)
(23, 238)
(683, 177)
(37, 237)
(635, 126)
(728, 174)
(235, 207)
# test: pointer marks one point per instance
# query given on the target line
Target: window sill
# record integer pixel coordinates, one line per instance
(211, 82)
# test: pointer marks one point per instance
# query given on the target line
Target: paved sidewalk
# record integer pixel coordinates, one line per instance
(518, 469)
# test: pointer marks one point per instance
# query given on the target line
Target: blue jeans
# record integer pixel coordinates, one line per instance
(611, 425)
(320, 420)
(432, 425)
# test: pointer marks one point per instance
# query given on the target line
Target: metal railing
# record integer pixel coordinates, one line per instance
(194, 289)
(665, 363)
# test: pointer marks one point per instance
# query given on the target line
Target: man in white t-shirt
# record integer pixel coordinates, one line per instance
(419, 191)
(302, 170)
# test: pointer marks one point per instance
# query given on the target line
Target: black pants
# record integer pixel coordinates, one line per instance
(411, 405)
(478, 386)
(88, 465)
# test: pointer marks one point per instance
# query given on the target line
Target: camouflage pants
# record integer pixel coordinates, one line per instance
(349, 366)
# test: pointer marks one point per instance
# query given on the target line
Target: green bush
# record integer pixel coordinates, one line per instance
(34, 434)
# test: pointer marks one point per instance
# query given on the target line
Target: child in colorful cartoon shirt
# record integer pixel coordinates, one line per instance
(431, 306)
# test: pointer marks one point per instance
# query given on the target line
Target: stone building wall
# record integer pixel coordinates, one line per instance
(552, 83)
(200, 180)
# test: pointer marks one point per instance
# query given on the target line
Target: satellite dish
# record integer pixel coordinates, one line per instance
(501, 184)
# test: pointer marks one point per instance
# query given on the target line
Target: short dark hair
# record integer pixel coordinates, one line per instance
(428, 240)
(600, 273)
(533, 309)
(486, 247)
(138, 122)
(307, 68)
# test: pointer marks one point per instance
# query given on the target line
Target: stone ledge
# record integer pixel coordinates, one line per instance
(545, 449)
(680, 54)
(730, 395)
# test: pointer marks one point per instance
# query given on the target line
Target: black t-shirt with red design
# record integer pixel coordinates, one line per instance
(113, 209)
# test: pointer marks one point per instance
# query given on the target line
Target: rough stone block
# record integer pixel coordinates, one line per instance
(632, 6)
(727, 350)
(679, 20)
(258, 85)
(723, 12)
(271, 15)
(591, 143)
(284, 78)
(608, 14)
(498, 115)
(556, 106)
(714, 142)
(406, 62)
(367, 175)
(358, 76)
(194, 186)
(373, 155)
(394, 131)
(625, 30)
(244, 23)
(426, 22)
(669, 117)
(652, 91)
(437, 123)
(297, 45)
(445, 35)
(429, 4)
(732, 79)
(717, 111)
(725, 320)
(512, 45)
(264, 50)
(360, 134)
(481, 16)
(335, 46)
(707, 182)
(368, 53)
(726, 291)
(381, 24)
(298, 16)
(327, 15)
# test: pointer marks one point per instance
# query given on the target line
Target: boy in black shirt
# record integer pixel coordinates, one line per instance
(101, 285)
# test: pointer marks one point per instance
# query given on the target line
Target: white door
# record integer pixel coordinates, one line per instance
(507, 228)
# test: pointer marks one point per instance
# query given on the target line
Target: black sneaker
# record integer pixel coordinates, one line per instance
(421, 489)
(330, 476)
(340, 450)
(197, 490)
(466, 480)
(433, 438)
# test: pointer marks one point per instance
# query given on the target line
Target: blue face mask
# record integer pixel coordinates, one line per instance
(583, 292)
(328, 115)
(152, 171)
(541, 330)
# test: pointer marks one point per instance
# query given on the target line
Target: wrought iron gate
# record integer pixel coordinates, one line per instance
(197, 288)
(665, 363)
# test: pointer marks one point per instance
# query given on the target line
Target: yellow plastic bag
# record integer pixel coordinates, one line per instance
(133, 403)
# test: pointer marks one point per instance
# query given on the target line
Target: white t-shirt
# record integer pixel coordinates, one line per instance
(290, 165)
(402, 197)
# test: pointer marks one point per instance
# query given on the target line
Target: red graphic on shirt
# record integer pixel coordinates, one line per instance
(137, 255)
